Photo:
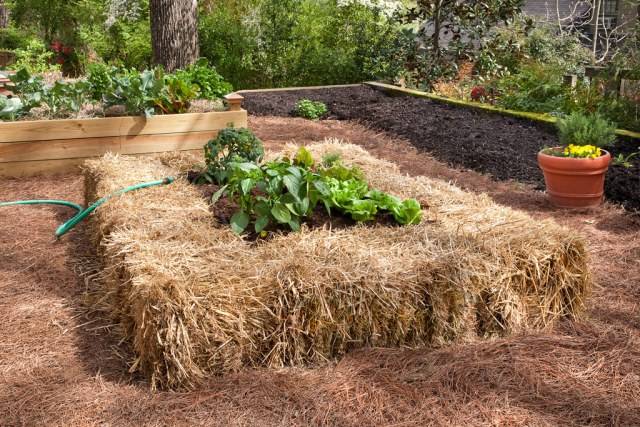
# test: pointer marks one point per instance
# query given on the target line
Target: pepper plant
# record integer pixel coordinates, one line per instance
(284, 192)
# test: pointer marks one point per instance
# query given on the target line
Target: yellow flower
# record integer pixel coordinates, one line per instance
(582, 151)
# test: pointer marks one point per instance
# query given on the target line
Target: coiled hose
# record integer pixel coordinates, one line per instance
(83, 213)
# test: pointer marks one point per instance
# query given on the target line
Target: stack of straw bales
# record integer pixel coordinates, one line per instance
(195, 300)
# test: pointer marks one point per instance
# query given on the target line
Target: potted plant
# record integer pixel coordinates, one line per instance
(574, 172)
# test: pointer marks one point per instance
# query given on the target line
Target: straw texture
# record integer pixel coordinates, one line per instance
(196, 300)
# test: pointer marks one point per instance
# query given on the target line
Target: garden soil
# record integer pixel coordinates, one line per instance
(59, 362)
(503, 147)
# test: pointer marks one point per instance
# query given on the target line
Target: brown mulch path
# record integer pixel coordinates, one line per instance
(59, 365)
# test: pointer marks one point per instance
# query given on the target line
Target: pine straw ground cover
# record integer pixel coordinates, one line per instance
(196, 300)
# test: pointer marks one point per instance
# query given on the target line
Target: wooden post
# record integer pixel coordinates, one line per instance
(570, 80)
(234, 100)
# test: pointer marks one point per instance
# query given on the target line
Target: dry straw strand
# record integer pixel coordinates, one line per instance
(196, 300)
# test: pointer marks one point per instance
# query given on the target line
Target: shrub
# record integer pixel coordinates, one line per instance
(585, 130)
(506, 48)
(273, 43)
(35, 58)
(311, 110)
(125, 42)
(231, 145)
(12, 38)
(536, 88)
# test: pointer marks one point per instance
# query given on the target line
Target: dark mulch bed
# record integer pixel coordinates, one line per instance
(503, 147)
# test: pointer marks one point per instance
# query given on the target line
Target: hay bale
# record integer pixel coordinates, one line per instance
(196, 300)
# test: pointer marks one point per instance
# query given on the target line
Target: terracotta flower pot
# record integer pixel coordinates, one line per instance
(573, 182)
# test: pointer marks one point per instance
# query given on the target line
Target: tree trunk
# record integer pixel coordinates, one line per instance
(174, 32)
(4, 15)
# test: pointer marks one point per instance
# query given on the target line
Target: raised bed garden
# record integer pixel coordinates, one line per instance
(49, 146)
(503, 147)
(195, 299)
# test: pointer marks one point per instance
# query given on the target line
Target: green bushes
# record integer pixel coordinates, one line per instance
(275, 43)
(536, 87)
(35, 57)
(311, 110)
(506, 48)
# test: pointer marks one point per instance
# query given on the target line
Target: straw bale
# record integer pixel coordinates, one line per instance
(195, 300)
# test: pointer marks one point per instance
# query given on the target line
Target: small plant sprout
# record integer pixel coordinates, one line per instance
(624, 161)
(311, 110)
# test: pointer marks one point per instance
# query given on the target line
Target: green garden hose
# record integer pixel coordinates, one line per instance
(82, 212)
(43, 202)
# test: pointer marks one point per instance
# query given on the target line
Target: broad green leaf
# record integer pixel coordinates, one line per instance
(246, 185)
(295, 171)
(261, 223)
(239, 222)
(281, 213)
(262, 208)
(216, 196)
(294, 224)
(293, 185)
(321, 187)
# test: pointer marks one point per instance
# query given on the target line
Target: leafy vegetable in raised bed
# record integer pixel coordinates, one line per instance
(284, 192)
(148, 92)
(212, 85)
(59, 98)
(9, 107)
(311, 110)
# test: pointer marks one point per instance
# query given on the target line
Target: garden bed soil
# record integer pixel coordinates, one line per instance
(504, 147)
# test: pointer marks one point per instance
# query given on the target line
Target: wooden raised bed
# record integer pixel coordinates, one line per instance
(53, 146)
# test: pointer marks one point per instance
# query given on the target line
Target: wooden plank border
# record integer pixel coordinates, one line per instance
(28, 148)
(536, 117)
(286, 89)
(48, 130)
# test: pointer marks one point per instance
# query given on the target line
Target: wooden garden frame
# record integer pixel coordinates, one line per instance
(57, 146)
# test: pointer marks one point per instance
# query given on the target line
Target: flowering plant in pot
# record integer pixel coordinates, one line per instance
(574, 172)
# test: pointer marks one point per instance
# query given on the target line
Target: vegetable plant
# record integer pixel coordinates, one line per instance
(211, 84)
(10, 108)
(285, 192)
(231, 145)
(311, 110)
(624, 161)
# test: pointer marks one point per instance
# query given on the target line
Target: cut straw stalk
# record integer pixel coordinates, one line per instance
(196, 300)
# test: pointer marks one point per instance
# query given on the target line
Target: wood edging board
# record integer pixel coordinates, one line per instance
(285, 89)
(56, 150)
(47, 130)
(536, 117)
